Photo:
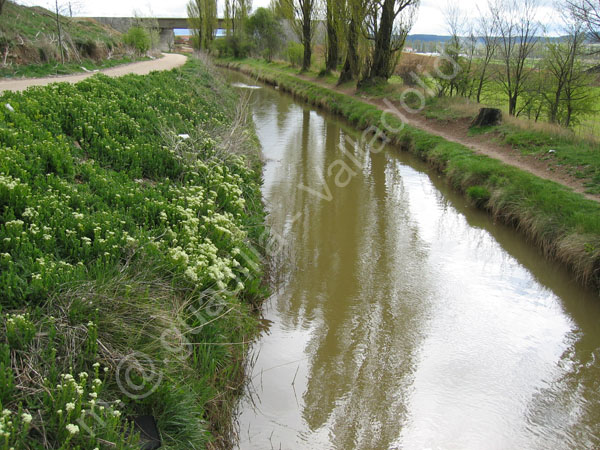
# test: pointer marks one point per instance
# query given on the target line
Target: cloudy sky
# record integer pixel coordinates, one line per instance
(430, 19)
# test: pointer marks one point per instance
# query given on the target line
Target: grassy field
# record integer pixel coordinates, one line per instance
(565, 225)
(129, 269)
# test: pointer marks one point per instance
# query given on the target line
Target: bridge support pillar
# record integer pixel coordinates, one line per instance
(167, 39)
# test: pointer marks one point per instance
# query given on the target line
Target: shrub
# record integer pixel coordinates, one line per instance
(295, 53)
(138, 39)
(237, 45)
(89, 49)
(265, 31)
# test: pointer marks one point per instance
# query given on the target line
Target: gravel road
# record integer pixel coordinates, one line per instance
(166, 62)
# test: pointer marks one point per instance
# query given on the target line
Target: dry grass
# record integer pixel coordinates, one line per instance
(526, 124)
(413, 63)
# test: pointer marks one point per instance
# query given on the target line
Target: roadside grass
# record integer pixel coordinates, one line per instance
(563, 224)
(130, 259)
(54, 68)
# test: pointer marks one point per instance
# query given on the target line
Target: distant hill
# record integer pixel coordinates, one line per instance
(427, 38)
(442, 38)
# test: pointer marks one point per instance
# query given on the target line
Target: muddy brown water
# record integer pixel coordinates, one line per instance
(405, 318)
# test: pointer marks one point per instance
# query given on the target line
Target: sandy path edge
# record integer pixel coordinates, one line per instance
(166, 62)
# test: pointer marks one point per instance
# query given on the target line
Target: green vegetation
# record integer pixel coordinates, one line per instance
(138, 38)
(28, 35)
(510, 65)
(29, 22)
(202, 18)
(29, 46)
(265, 30)
(565, 225)
(128, 268)
(566, 151)
(584, 121)
(295, 53)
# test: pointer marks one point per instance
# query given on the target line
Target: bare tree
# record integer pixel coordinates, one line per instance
(588, 12)
(486, 29)
(518, 29)
(568, 91)
(455, 75)
(59, 31)
(449, 85)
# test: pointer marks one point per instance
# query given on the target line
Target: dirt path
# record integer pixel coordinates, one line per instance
(457, 131)
(166, 62)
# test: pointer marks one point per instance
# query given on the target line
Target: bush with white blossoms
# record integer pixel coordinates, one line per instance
(14, 427)
(86, 178)
(20, 330)
(97, 192)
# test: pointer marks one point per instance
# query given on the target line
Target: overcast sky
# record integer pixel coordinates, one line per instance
(430, 19)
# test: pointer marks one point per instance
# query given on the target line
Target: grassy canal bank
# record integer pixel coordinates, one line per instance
(564, 224)
(130, 218)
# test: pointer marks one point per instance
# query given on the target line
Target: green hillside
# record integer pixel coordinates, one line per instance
(29, 37)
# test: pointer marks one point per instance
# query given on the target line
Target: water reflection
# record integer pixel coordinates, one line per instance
(410, 320)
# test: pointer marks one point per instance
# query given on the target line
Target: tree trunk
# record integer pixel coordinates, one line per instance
(554, 107)
(60, 45)
(480, 88)
(306, 34)
(350, 70)
(538, 111)
(569, 114)
(512, 104)
(332, 39)
(383, 43)
(487, 117)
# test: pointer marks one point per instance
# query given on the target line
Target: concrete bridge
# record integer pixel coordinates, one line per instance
(165, 24)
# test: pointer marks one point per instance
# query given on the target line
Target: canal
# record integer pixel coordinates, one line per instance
(404, 318)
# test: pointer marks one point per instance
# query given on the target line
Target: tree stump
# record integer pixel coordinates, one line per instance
(487, 117)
